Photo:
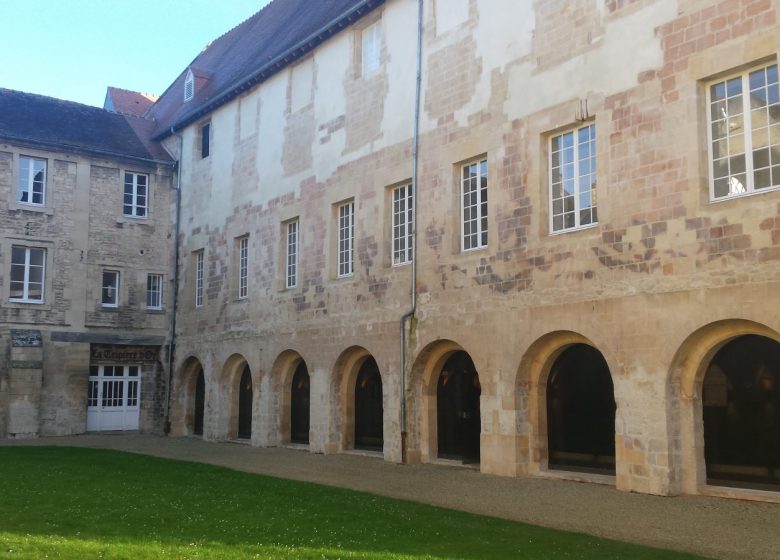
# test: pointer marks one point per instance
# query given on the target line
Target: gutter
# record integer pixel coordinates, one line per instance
(174, 302)
(276, 64)
(413, 288)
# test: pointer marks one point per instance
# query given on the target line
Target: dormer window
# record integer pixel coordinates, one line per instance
(189, 86)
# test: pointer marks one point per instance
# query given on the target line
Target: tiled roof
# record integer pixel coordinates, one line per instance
(128, 102)
(54, 123)
(248, 54)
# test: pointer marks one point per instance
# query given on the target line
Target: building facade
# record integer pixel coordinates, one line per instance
(537, 238)
(86, 268)
(591, 263)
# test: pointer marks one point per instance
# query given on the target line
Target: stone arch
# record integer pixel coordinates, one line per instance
(532, 383)
(229, 380)
(283, 371)
(686, 378)
(425, 374)
(183, 404)
(346, 370)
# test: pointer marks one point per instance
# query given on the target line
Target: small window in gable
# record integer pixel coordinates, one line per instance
(189, 86)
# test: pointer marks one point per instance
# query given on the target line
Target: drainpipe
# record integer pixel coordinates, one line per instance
(413, 287)
(174, 301)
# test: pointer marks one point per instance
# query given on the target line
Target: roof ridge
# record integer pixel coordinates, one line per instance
(57, 99)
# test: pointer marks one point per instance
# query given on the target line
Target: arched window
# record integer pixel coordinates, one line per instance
(741, 414)
(189, 86)
(457, 409)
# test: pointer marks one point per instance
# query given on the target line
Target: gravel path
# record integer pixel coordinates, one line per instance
(714, 527)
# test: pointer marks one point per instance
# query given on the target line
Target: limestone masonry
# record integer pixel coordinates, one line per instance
(561, 260)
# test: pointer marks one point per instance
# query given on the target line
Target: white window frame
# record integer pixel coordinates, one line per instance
(199, 257)
(139, 203)
(402, 208)
(26, 182)
(581, 162)
(154, 291)
(736, 188)
(292, 235)
(111, 288)
(189, 86)
(346, 239)
(480, 218)
(26, 281)
(243, 267)
(371, 48)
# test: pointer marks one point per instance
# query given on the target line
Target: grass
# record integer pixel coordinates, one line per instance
(84, 503)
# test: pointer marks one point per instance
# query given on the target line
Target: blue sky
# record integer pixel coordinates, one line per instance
(74, 49)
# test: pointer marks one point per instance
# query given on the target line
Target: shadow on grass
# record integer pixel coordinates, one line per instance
(82, 503)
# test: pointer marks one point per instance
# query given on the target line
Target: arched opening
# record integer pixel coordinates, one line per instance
(741, 414)
(581, 412)
(457, 409)
(199, 404)
(300, 405)
(368, 407)
(245, 405)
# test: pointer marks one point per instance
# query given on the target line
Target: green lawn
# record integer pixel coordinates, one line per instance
(83, 503)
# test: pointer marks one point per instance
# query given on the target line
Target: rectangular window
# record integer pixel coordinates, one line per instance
(31, 188)
(28, 266)
(292, 255)
(403, 206)
(744, 133)
(573, 179)
(110, 292)
(154, 291)
(199, 279)
(346, 238)
(205, 140)
(136, 195)
(243, 267)
(371, 48)
(474, 208)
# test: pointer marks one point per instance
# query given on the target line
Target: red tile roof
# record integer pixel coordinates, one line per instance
(128, 102)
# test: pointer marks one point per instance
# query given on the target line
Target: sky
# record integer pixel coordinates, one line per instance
(75, 49)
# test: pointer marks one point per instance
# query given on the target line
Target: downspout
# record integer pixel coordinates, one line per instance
(413, 287)
(174, 301)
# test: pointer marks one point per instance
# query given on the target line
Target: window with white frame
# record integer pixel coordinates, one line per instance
(31, 186)
(110, 292)
(154, 291)
(199, 278)
(573, 179)
(744, 133)
(28, 267)
(474, 207)
(346, 239)
(371, 48)
(291, 260)
(403, 206)
(136, 198)
(189, 86)
(243, 267)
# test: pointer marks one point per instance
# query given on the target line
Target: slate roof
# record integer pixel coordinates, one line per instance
(54, 123)
(128, 102)
(269, 41)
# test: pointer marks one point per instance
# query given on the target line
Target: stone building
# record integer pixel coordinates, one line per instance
(597, 241)
(85, 269)
(534, 238)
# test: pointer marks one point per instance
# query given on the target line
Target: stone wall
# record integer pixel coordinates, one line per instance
(83, 230)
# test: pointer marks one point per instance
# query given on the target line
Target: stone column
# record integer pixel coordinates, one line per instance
(25, 380)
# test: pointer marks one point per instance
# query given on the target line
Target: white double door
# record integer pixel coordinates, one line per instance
(113, 398)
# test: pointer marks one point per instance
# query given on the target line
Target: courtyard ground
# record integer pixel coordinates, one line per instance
(714, 527)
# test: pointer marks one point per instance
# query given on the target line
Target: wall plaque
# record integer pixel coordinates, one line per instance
(101, 354)
(22, 339)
